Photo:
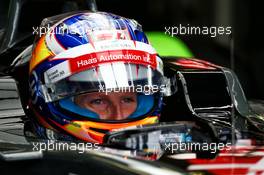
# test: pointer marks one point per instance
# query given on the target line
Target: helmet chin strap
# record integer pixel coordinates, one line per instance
(145, 104)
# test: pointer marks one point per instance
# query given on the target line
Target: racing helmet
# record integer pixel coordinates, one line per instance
(87, 58)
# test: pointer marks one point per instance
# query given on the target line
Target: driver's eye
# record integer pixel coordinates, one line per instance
(128, 100)
(96, 101)
(98, 104)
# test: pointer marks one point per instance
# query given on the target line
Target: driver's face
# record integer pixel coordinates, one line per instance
(113, 106)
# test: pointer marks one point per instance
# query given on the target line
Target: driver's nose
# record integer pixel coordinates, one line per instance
(117, 111)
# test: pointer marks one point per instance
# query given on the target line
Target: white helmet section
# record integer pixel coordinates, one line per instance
(86, 56)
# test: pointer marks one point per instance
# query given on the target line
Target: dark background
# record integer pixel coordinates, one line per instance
(244, 16)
